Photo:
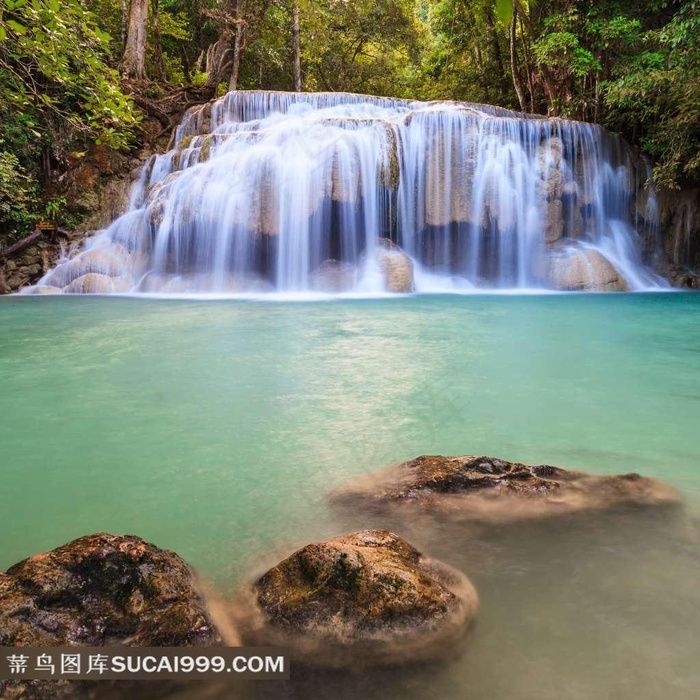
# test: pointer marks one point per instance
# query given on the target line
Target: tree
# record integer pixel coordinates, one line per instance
(249, 16)
(58, 94)
(237, 45)
(513, 63)
(655, 94)
(134, 60)
(157, 48)
(296, 47)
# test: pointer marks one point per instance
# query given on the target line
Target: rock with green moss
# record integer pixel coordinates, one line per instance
(365, 598)
(488, 489)
(103, 590)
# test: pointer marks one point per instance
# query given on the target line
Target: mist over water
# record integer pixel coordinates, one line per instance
(288, 193)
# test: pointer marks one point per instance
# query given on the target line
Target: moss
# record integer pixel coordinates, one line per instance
(391, 170)
(205, 148)
(185, 142)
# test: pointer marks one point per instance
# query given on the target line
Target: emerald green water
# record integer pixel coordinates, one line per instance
(216, 428)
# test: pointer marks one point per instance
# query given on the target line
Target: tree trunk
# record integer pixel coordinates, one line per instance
(186, 67)
(157, 51)
(237, 46)
(493, 36)
(296, 47)
(134, 62)
(514, 67)
(218, 61)
(526, 56)
(125, 14)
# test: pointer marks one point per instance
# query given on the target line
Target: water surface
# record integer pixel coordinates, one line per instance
(216, 428)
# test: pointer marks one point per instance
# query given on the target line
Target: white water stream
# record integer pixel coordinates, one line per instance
(293, 193)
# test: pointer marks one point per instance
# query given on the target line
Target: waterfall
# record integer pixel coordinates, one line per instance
(296, 192)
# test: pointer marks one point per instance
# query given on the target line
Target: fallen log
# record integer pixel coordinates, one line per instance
(28, 240)
(21, 244)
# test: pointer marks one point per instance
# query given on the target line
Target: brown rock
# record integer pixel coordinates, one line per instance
(396, 266)
(554, 222)
(46, 290)
(333, 276)
(94, 283)
(103, 589)
(491, 489)
(85, 177)
(110, 261)
(112, 201)
(107, 160)
(363, 598)
(583, 269)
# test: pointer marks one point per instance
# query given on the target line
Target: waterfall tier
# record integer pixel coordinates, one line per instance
(296, 192)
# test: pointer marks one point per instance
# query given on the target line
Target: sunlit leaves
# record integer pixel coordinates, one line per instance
(54, 59)
(504, 11)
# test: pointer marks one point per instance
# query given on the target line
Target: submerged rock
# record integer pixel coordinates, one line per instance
(363, 598)
(584, 269)
(334, 276)
(107, 261)
(46, 289)
(396, 267)
(103, 590)
(95, 283)
(490, 489)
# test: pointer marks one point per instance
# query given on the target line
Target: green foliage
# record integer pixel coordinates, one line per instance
(55, 208)
(57, 92)
(631, 66)
(16, 196)
(53, 64)
(658, 93)
(563, 51)
(360, 46)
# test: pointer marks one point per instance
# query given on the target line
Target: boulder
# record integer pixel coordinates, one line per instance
(46, 290)
(495, 490)
(198, 283)
(550, 153)
(95, 283)
(554, 221)
(366, 598)
(333, 276)
(396, 267)
(574, 268)
(344, 181)
(112, 260)
(103, 590)
(450, 163)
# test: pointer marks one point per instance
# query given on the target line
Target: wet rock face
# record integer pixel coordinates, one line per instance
(490, 489)
(583, 269)
(679, 214)
(396, 266)
(103, 589)
(333, 276)
(28, 265)
(106, 269)
(369, 596)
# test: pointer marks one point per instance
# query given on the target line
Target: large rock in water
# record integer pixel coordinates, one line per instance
(103, 590)
(363, 598)
(494, 490)
(333, 276)
(396, 267)
(583, 269)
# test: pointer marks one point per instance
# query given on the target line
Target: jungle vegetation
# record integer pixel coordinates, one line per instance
(75, 73)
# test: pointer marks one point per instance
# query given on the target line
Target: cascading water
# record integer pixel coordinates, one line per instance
(296, 192)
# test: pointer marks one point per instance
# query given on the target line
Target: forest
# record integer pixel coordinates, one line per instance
(76, 74)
